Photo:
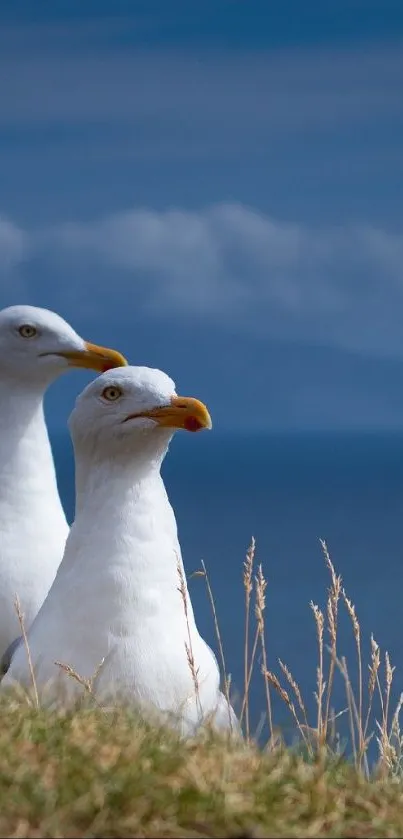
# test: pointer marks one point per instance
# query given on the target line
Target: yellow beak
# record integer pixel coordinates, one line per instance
(93, 357)
(182, 412)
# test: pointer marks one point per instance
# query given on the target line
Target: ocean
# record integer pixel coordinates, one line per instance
(288, 491)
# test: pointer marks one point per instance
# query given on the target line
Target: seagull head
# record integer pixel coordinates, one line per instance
(37, 344)
(132, 404)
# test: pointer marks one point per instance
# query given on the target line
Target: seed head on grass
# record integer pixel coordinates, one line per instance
(284, 695)
(188, 644)
(21, 621)
(374, 666)
(248, 587)
(248, 567)
(357, 636)
(295, 687)
(332, 607)
(260, 605)
(88, 684)
(320, 684)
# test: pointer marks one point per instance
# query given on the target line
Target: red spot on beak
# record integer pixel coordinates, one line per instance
(192, 424)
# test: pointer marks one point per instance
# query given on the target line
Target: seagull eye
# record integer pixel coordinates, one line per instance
(27, 331)
(111, 393)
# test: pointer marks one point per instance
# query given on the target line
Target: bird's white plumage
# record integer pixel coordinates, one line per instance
(33, 526)
(115, 596)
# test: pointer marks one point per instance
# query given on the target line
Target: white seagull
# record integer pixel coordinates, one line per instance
(116, 596)
(36, 346)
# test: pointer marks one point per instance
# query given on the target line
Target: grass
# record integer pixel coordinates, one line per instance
(88, 773)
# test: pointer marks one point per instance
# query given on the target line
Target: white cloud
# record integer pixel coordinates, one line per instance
(226, 263)
(13, 243)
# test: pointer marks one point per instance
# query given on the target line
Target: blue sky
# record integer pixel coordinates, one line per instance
(215, 188)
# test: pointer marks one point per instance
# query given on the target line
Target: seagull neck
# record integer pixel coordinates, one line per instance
(124, 519)
(114, 479)
(24, 441)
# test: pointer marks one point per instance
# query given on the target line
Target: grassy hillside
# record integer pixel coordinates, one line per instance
(90, 772)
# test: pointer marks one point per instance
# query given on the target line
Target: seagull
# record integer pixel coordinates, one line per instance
(119, 606)
(36, 346)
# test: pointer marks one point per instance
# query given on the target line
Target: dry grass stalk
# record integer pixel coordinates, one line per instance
(227, 678)
(248, 586)
(395, 719)
(272, 678)
(319, 621)
(260, 605)
(21, 621)
(188, 644)
(389, 671)
(294, 685)
(72, 674)
(88, 684)
(372, 680)
(351, 704)
(396, 737)
(386, 747)
(249, 664)
(332, 620)
(357, 637)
